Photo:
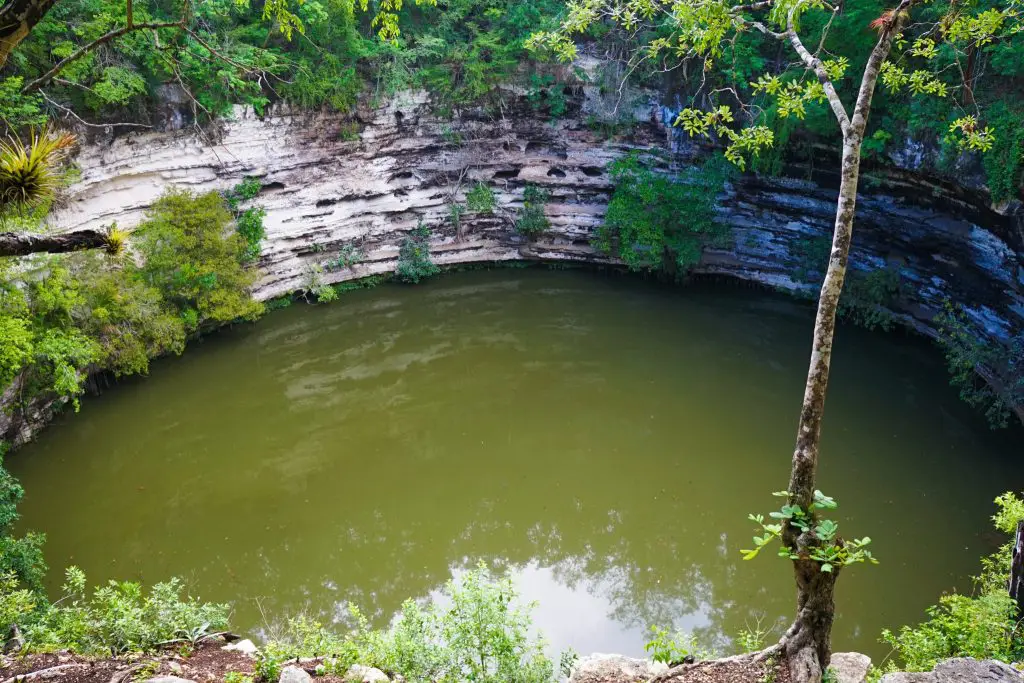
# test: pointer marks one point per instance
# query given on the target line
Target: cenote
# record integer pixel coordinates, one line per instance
(601, 437)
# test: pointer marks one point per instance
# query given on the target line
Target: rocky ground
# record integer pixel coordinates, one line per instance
(213, 660)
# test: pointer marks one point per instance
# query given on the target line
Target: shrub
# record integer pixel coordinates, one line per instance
(120, 618)
(480, 635)
(249, 224)
(481, 199)
(196, 266)
(317, 286)
(867, 296)
(414, 262)
(658, 222)
(967, 357)
(983, 626)
(21, 559)
(532, 219)
(248, 189)
(128, 319)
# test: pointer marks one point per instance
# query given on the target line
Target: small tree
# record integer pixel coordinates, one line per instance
(701, 30)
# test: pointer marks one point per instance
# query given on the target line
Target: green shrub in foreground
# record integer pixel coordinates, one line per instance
(983, 626)
(477, 634)
(117, 618)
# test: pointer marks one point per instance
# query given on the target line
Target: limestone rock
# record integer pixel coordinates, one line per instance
(293, 674)
(244, 646)
(365, 674)
(323, 193)
(602, 668)
(962, 670)
(168, 679)
(15, 641)
(850, 667)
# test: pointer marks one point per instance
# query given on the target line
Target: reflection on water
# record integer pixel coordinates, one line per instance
(601, 438)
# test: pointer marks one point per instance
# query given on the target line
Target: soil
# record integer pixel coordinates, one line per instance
(206, 663)
(729, 670)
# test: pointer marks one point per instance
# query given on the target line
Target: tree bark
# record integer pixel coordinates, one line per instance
(807, 644)
(1017, 569)
(17, 18)
(22, 244)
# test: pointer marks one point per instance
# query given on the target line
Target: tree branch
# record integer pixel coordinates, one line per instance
(17, 18)
(82, 121)
(871, 70)
(814, 64)
(86, 49)
(22, 244)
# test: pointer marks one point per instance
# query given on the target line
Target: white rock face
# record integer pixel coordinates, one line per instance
(322, 193)
(325, 192)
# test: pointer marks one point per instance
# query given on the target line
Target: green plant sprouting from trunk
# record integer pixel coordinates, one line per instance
(817, 540)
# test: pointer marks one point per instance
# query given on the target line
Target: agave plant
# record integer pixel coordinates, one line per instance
(27, 175)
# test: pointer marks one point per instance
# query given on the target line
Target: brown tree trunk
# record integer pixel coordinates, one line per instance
(17, 18)
(808, 643)
(22, 244)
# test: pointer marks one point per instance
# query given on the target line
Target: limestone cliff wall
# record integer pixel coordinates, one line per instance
(326, 188)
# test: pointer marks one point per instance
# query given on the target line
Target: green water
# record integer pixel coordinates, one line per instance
(600, 437)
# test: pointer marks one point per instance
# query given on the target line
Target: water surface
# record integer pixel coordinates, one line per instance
(600, 437)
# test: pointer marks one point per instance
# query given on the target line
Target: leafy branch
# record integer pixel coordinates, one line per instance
(819, 538)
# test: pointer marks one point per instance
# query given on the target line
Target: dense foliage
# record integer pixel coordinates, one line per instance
(661, 221)
(477, 631)
(414, 262)
(21, 557)
(115, 619)
(988, 377)
(64, 317)
(317, 53)
(532, 219)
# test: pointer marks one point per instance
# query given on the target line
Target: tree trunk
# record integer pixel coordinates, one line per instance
(22, 244)
(1017, 569)
(807, 645)
(805, 457)
(17, 18)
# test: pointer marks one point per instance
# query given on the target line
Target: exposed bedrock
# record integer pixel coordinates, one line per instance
(366, 181)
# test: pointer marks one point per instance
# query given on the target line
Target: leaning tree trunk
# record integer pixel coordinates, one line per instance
(22, 244)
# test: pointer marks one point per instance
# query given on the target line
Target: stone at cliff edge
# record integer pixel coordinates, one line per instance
(293, 674)
(169, 679)
(599, 668)
(850, 667)
(965, 670)
(365, 674)
(244, 646)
